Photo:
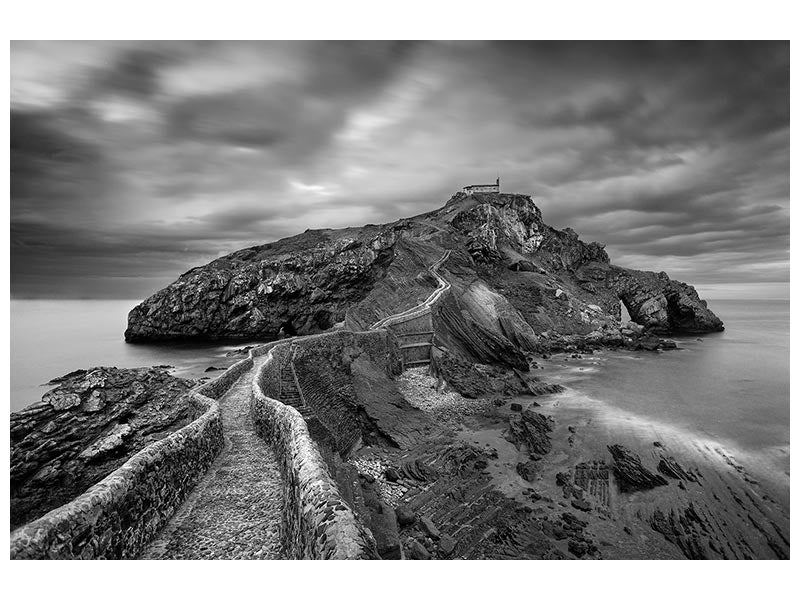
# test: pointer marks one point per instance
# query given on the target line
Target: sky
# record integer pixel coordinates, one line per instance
(132, 162)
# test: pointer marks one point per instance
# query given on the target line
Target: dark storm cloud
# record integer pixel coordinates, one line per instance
(132, 162)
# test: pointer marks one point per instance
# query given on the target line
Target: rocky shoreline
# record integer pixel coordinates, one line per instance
(517, 480)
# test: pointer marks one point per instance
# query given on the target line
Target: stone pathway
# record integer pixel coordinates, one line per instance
(235, 511)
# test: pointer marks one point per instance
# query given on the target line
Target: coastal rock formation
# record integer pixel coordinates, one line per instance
(86, 428)
(517, 284)
(631, 475)
(530, 430)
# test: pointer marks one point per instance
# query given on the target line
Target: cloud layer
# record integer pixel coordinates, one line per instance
(132, 162)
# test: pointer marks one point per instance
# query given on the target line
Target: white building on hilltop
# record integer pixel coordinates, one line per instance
(484, 188)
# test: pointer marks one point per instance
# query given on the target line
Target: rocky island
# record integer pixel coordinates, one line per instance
(514, 275)
(390, 408)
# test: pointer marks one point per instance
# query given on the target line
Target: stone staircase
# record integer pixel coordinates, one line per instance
(414, 327)
(415, 339)
(290, 393)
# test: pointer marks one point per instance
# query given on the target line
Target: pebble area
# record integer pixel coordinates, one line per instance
(235, 511)
(447, 407)
(390, 492)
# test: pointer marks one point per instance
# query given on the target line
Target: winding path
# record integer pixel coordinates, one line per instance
(419, 309)
(235, 511)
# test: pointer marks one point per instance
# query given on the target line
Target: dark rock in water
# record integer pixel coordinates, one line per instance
(527, 470)
(213, 368)
(531, 429)
(86, 428)
(631, 476)
(670, 467)
(516, 407)
(405, 516)
(563, 479)
(498, 402)
(658, 444)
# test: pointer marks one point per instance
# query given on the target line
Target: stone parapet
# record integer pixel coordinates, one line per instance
(317, 523)
(117, 517)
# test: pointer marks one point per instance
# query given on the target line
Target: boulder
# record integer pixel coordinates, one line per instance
(428, 528)
(405, 516)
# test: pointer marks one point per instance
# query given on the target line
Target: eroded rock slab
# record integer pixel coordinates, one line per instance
(86, 428)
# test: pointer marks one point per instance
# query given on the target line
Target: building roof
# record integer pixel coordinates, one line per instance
(481, 185)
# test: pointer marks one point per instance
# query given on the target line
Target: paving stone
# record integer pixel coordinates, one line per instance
(235, 512)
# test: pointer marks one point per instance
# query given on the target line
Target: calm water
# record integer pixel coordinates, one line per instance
(730, 388)
(53, 337)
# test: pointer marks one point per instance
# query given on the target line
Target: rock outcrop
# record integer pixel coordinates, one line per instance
(630, 474)
(517, 284)
(86, 428)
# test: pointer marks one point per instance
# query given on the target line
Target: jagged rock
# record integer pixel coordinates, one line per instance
(528, 470)
(530, 429)
(670, 467)
(631, 476)
(86, 428)
(685, 530)
(417, 469)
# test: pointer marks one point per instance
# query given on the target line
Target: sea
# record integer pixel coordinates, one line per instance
(50, 338)
(729, 388)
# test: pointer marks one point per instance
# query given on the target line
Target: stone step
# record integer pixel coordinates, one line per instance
(408, 333)
(417, 363)
(417, 345)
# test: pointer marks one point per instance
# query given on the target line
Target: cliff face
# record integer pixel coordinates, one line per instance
(518, 279)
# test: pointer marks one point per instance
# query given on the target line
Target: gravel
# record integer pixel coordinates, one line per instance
(447, 407)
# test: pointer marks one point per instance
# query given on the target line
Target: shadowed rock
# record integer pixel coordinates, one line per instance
(86, 428)
(630, 474)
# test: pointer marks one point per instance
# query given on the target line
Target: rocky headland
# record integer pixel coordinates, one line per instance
(520, 284)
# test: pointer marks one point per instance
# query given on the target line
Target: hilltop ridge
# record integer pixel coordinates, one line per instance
(511, 273)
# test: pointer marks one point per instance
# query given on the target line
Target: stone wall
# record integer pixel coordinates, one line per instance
(322, 364)
(120, 515)
(317, 523)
